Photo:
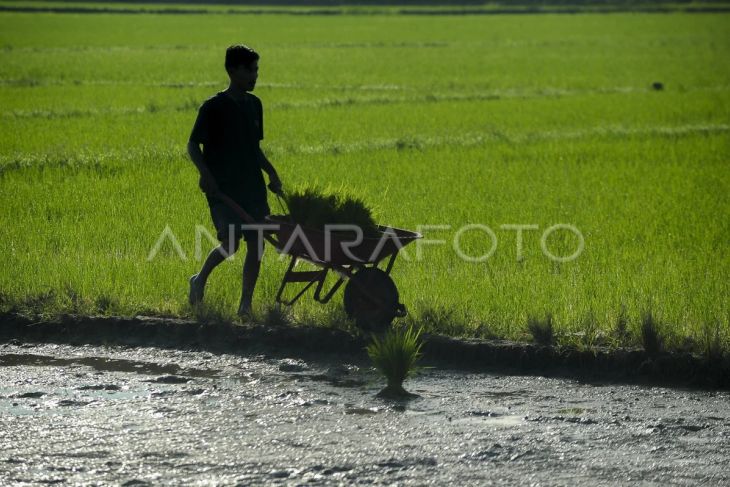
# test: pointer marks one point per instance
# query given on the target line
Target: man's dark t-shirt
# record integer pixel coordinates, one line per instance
(230, 132)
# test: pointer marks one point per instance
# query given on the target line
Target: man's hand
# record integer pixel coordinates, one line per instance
(274, 181)
(275, 185)
(208, 185)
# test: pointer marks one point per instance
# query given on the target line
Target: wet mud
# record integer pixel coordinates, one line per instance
(595, 365)
(144, 416)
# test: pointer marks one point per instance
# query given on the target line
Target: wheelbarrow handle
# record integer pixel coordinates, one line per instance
(243, 214)
(282, 202)
(235, 207)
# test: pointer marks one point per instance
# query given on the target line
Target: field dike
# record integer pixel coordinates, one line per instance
(632, 366)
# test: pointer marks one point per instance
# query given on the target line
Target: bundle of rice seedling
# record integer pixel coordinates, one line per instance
(313, 209)
(395, 355)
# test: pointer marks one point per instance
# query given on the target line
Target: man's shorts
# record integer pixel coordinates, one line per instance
(226, 220)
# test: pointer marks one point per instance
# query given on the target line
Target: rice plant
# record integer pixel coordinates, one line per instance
(651, 336)
(276, 315)
(212, 312)
(621, 333)
(395, 355)
(541, 330)
(712, 341)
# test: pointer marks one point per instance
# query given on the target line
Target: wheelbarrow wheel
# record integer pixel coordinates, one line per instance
(371, 298)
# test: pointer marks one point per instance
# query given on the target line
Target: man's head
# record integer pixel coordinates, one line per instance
(242, 66)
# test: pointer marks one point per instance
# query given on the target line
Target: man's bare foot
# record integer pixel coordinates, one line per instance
(195, 295)
(244, 310)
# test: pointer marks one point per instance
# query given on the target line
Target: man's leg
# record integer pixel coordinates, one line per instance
(216, 256)
(251, 267)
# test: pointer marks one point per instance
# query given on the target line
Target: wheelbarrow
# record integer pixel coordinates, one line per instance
(370, 295)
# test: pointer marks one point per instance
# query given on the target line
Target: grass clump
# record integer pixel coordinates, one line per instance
(590, 337)
(211, 313)
(277, 316)
(440, 319)
(395, 355)
(335, 317)
(312, 208)
(621, 334)
(541, 330)
(447, 321)
(651, 337)
(106, 304)
(712, 341)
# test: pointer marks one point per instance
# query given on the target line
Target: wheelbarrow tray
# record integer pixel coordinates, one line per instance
(338, 248)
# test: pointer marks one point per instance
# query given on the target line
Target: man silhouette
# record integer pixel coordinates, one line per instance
(229, 127)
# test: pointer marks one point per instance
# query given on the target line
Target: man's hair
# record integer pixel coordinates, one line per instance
(239, 54)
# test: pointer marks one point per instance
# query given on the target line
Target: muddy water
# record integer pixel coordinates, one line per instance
(147, 416)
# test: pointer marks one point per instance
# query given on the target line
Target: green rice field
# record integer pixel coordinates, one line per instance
(616, 125)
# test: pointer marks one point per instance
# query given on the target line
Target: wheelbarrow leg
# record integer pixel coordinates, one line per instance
(310, 277)
(391, 261)
(327, 297)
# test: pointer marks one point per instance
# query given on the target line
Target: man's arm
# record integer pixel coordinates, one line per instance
(207, 181)
(265, 164)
